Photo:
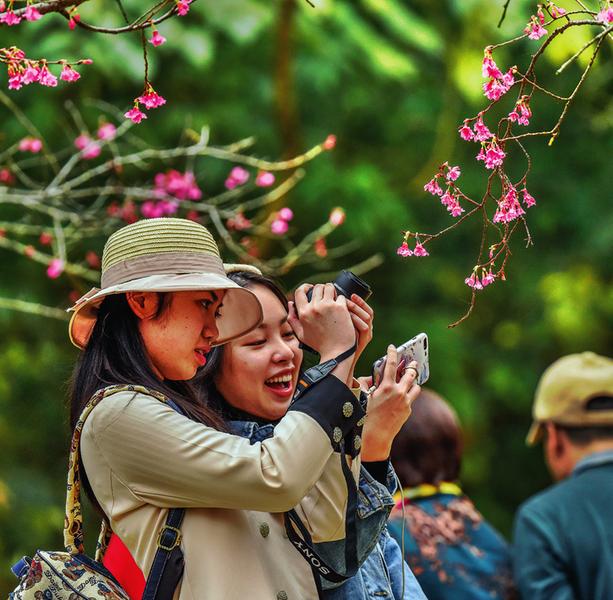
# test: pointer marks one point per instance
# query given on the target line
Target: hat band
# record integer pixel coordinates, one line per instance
(167, 263)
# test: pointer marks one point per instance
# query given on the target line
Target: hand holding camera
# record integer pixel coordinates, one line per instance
(324, 323)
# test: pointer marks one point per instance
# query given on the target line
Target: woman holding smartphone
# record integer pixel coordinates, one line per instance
(252, 380)
(164, 302)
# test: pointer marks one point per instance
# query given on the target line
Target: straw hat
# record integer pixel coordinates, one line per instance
(165, 255)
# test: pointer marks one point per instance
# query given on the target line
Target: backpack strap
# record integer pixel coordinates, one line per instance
(168, 565)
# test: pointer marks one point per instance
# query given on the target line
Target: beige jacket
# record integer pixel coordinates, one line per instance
(141, 458)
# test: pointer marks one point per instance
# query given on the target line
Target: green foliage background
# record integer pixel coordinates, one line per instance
(392, 79)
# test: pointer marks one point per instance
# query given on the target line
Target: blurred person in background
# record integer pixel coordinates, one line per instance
(564, 536)
(454, 553)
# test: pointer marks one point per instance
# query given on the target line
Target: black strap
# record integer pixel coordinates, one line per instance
(318, 372)
(168, 563)
(304, 544)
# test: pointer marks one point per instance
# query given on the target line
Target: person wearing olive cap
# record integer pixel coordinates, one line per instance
(563, 536)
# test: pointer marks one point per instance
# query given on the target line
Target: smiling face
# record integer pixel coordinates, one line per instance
(259, 371)
(177, 340)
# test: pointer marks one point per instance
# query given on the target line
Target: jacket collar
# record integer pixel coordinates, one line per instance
(594, 460)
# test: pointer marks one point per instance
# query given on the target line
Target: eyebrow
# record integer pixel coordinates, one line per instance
(281, 322)
(213, 294)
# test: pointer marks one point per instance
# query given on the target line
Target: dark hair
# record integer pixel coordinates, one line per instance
(583, 436)
(115, 354)
(428, 448)
(205, 380)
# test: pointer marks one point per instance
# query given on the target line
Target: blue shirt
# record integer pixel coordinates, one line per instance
(454, 553)
(563, 536)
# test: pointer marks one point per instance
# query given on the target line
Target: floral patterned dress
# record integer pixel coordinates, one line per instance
(454, 553)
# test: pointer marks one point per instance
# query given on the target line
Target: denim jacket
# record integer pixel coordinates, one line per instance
(382, 566)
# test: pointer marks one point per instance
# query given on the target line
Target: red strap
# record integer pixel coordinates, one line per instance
(118, 560)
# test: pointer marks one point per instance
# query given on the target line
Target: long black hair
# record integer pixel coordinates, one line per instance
(115, 354)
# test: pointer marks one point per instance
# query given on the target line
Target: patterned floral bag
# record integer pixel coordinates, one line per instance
(72, 575)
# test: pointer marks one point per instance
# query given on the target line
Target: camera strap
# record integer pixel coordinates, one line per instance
(304, 544)
(318, 372)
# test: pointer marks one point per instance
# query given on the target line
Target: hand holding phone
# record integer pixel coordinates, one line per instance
(415, 349)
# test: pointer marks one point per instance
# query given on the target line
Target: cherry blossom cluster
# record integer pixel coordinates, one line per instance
(10, 18)
(24, 71)
(280, 222)
(504, 204)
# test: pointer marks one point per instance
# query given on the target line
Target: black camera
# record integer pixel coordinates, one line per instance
(347, 283)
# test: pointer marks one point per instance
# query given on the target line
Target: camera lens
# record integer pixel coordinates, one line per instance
(348, 283)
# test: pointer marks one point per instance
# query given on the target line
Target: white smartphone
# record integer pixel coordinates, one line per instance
(415, 349)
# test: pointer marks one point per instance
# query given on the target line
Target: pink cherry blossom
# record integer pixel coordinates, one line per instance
(32, 14)
(238, 222)
(157, 39)
(466, 133)
(447, 198)
(55, 268)
(529, 201)
(279, 227)
(106, 131)
(337, 216)
(264, 179)
(482, 133)
(509, 208)
(287, 214)
(238, 176)
(72, 22)
(404, 250)
(453, 173)
(489, 67)
(535, 30)
(433, 187)
(135, 115)
(31, 75)
(69, 74)
(605, 15)
(182, 7)
(419, 250)
(10, 18)
(556, 11)
(15, 82)
(151, 99)
(487, 278)
(81, 142)
(454, 208)
(180, 185)
(540, 15)
(494, 89)
(494, 156)
(92, 150)
(30, 144)
(155, 210)
(47, 78)
(473, 282)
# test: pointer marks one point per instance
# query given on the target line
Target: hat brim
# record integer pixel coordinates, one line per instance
(241, 311)
(535, 433)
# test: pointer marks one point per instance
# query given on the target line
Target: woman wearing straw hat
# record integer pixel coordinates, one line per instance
(164, 302)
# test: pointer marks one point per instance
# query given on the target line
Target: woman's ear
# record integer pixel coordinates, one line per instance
(144, 305)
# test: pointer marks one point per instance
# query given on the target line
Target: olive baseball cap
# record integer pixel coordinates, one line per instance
(565, 390)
